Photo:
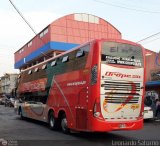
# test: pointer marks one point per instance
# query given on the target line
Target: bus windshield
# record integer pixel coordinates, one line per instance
(121, 54)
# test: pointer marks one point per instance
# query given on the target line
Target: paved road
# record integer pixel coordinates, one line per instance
(13, 128)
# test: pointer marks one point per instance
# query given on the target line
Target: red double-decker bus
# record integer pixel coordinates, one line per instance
(98, 86)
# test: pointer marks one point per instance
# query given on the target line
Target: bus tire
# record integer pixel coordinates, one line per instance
(64, 125)
(53, 122)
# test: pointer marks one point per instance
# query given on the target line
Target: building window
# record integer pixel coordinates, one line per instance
(86, 18)
(43, 33)
(29, 44)
(20, 51)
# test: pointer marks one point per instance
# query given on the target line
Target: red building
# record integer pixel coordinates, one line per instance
(152, 71)
(63, 34)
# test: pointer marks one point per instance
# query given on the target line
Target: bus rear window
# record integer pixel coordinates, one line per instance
(121, 54)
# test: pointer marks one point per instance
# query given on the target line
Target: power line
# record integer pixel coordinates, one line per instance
(133, 9)
(146, 38)
(27, 23)
(23, 17)
(127, 8)
(152, 40)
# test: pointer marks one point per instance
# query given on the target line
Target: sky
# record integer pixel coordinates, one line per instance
(135, 19)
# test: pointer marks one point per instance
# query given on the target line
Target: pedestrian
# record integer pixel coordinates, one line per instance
(157, 107)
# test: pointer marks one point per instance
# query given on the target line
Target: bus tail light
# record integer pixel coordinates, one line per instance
(97, 110)
(94, 74)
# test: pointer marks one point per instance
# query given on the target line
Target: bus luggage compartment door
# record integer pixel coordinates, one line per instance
(81, 109)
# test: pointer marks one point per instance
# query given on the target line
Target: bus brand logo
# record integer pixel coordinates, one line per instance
(120, 75)
(76, 83)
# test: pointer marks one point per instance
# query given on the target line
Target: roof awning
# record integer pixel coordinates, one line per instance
(153, 83)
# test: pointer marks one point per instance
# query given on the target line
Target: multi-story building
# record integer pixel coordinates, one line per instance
(61, 35)
(8, 84)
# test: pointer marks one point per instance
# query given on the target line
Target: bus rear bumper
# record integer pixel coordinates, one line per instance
(104, 126)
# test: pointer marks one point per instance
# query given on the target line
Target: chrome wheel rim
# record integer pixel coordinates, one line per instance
(64, 124)
(51, 122)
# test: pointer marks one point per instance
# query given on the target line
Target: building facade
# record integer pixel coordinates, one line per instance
(61, 35)
(8, 83)
(152, 78)
(152, 66)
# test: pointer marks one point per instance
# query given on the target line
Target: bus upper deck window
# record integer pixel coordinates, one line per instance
(29, 72)
(44, 66)
(65, 59)
(36, 69)
(80, 53)
(53, 63)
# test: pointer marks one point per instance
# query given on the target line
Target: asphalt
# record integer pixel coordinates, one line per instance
(30, 132)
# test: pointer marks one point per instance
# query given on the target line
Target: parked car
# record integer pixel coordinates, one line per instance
(3, 100)
(148, 112)
(9, 102)
(12, 101)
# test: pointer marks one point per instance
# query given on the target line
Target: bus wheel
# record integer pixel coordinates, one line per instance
(64, 125)
(53, 124)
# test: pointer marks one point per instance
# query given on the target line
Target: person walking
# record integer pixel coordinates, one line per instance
(157, 107)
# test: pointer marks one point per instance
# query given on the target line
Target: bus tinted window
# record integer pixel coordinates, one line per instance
(39, 96)
(65, 59)
(70, 62)
(122, 54)
(53, 63)
(80, 53)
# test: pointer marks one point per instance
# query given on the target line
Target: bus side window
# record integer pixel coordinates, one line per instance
(43, 99)
(65, 59)
(36, 69)
(54, 63)
(81, 56)
(30, 72)
(44, 66)
(80, 53)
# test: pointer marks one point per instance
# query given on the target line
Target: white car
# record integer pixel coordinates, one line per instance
(12, 101)
(148, 113)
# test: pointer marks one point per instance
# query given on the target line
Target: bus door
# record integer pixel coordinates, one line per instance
(81, 109)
